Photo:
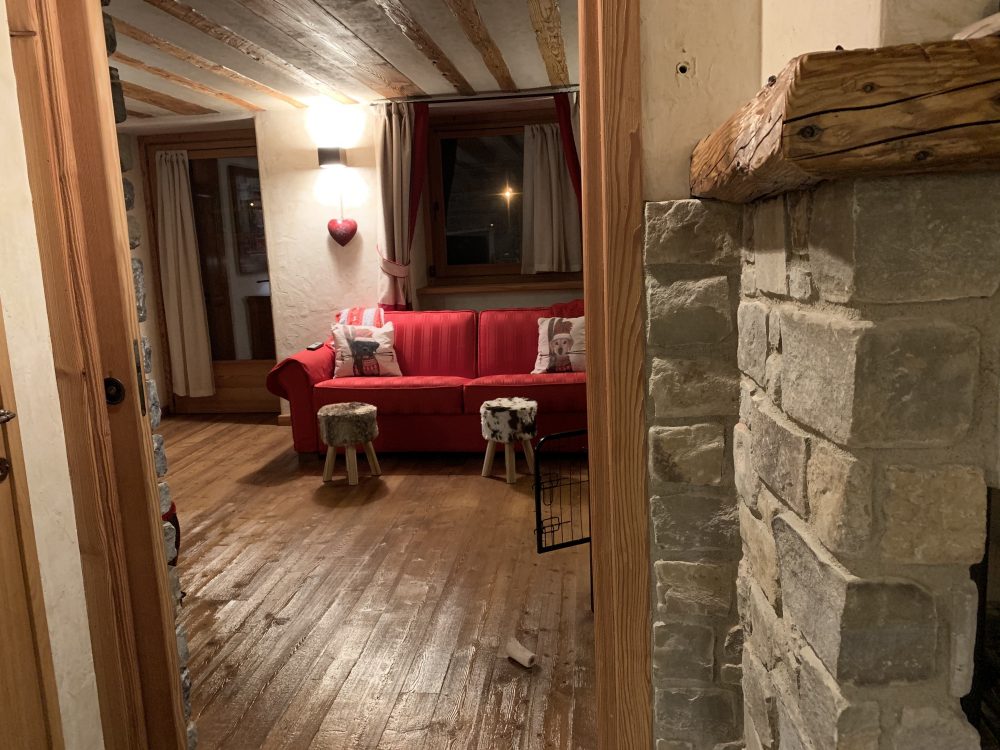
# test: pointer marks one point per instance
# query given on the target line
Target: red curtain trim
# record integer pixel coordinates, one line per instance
(565, 115)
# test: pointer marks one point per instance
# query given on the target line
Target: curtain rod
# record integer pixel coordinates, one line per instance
(453, 99)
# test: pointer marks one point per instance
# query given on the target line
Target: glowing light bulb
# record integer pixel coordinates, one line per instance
(508, 194)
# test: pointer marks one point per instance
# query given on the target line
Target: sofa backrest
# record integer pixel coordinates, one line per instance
(435, 342)
(508, 340)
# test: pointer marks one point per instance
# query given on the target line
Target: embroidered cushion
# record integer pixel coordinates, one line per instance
(561, 345)
(364, 351)
(360, 316)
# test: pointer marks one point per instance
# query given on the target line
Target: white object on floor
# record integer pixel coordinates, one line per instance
(517, 652)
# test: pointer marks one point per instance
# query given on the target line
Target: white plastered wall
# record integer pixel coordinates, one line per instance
(43, 441)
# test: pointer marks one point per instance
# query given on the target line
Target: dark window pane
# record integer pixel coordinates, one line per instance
(482, 178)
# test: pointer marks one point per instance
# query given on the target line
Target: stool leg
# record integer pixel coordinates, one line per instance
(372, 459)
(352, 464)
(331, 461)
(529, 456)
(491, 449)
(508, 453)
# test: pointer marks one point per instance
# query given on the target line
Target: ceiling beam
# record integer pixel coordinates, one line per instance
(162, 45)
(255, 52)
(307, 23)
(472, 24)
(185, 82)
(547, 20)
(401, 16)
(138, 115)
(164, 101)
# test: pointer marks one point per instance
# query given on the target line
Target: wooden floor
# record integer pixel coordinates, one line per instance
(373, 616)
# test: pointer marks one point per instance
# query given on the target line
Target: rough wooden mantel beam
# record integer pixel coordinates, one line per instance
(869, 112)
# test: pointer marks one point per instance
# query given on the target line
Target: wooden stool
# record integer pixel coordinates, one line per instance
(509, 420)
(348, 425)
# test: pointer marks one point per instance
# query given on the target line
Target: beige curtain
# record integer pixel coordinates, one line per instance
(551, 216)
(393, 148)
(180, 278)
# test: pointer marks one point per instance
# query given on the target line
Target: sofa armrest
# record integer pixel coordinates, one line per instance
(293, 379)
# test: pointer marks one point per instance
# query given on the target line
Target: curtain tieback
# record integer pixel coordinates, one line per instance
(392, 268)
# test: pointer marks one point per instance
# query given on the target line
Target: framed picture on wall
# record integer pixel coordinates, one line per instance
(248, 219)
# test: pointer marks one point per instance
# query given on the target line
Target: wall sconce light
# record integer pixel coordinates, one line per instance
(342, 230)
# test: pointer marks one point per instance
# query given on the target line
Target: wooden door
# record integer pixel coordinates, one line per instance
(28, 706)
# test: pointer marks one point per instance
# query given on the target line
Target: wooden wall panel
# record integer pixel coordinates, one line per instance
(613, 284)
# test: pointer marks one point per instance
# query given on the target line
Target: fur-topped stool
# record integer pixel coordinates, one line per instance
(348, 425)
(509, 420)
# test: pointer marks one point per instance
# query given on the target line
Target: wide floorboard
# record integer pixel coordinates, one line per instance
(329, 617)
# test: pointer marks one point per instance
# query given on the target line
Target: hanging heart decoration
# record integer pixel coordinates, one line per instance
(342, 230)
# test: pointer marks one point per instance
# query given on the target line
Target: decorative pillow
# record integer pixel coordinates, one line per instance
(360, 316)
(365, 351)
(561, 345)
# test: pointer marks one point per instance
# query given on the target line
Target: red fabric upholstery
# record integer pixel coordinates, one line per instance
(508, 340)
(435, 343)
(293, 379)
(418, 394)
(554, 391)
(571, 309)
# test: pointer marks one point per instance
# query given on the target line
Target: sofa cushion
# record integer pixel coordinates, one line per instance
(508, 340)
(439, 342)
(554, 392)
(419, 394)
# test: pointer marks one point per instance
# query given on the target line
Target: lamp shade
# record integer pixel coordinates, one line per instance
(331, 156)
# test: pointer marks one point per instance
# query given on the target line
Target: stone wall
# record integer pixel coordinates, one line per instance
(692, 261)
(869, 347)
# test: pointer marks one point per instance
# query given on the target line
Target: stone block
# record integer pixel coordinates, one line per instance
(751, 354)
(906, 239)
(134, 232)
(183, 651)
(869, 632)
(763, 628)
(691, 454)
(159, 455)
(760, 553)
(683, 651)
(760, 703)
(186, 691)
(963, 610)
(704, 525)
(147, 355)
(689, 311)
(689, 588)
(169, 541)
(731, 674)
(732, 647)
(770, 246)
(126, 156)
(117, 95)
(693, 231)
(192, 736)
(933, 728)
(774, 329)
(830, 720)
(840, 498)
(139, 284)
(780, 452)
(110, 38)
(128, 189)
(693, 388)
(704, 715)
(673, 745)
(153, 408)
(772, 378)
(748, 280)
(166, 500)
(788, 730)
(747, 483)
(799, 283)
(897, 382)
(934, 515)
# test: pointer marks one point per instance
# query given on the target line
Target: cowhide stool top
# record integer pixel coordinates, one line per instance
(352, 423)
(509, 420)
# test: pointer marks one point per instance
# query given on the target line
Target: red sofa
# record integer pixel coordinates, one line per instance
(452, 361)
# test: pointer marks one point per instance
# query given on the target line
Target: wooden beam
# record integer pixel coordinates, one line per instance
(547, 20)
(162, 45)
(321, 33)
(255, 52)
(889, 111)
(611, 151)
(472, 24)
(137, 115)
(185, 82)
(164, 101)
(400, 15)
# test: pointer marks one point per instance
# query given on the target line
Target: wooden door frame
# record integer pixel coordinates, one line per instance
(71, 145)
(202, 144)
(611, 150)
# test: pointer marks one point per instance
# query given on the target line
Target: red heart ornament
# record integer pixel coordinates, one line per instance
(342, 230)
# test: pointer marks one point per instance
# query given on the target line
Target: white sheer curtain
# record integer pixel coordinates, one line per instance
(393, 162)
(551, 215)
(180, 278)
